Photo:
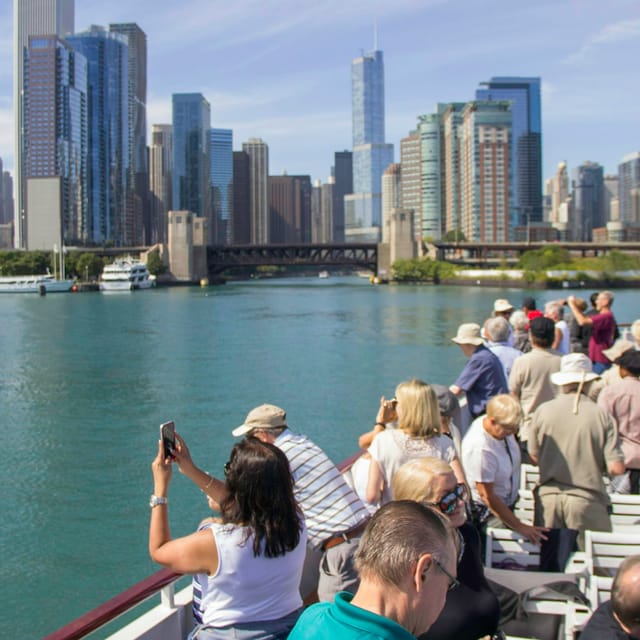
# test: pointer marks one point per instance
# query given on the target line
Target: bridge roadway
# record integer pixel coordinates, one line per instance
(365, 255)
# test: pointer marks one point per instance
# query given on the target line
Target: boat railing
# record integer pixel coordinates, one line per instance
(171, 618)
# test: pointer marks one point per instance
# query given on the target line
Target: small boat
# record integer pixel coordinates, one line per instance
(323, 274)
(126, 275)
(43, 283)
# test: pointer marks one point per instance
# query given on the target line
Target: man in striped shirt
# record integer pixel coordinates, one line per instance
(334, 514)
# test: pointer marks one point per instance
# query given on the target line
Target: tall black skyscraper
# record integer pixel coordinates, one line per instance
(343, 174)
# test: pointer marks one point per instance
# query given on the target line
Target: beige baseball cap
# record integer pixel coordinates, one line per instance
(266, 416)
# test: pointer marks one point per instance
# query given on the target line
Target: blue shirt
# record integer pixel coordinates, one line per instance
(342, 620)
(481, 379)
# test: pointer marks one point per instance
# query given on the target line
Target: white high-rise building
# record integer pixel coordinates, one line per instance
(31, 18)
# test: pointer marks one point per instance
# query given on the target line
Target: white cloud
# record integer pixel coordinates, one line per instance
(612, 34)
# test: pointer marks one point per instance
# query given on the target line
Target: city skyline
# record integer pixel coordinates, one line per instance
(284, 75)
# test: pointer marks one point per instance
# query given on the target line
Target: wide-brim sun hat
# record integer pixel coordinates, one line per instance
(574, 368)
(266, 416)
(468, 333)
(501, 305)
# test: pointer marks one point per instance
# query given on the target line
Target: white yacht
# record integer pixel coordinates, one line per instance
(126, 275)
(43, 283)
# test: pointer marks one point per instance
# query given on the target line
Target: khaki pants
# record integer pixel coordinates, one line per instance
(563, 510)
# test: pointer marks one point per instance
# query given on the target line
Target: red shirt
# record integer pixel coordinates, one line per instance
(602, 335)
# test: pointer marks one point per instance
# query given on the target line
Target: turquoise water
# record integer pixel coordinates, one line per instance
(86, 380)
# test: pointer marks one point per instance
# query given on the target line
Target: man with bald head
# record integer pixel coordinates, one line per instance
(619, 618)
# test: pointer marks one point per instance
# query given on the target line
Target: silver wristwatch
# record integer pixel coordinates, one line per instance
(154, 501)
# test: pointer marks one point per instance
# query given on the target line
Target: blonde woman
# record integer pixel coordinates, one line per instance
(472, 610)
(419, 434)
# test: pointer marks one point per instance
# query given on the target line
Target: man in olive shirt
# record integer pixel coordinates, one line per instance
(574, 442)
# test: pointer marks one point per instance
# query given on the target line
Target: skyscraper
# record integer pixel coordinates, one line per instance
(31, 17)
(343, 175)
(108, 141)
(371, 155)
(54, 167)
(526, 149)
(290, 209)
(559, 193)
(628, 185)
(410, 182)
(160, 180)
(191, 124)
(484, 171)
(137, 218)
(221, 178)
(241, 199)
(588, 201)
(258, 153)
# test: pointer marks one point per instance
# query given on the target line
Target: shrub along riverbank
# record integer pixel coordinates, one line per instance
(551, 267)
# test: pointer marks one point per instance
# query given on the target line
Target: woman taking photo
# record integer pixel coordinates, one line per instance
(419, 434)
(248, 563)
(471, 610)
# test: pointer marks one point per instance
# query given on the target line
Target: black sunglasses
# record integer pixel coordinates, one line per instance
(447, 504)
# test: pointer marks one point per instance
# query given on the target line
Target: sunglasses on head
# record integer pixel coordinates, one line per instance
(447, 504)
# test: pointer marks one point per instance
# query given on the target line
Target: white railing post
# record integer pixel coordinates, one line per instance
(167, 596)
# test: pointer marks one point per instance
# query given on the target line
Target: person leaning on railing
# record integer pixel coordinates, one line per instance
(248, 563)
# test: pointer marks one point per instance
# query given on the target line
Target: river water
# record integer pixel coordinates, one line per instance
(86, 380)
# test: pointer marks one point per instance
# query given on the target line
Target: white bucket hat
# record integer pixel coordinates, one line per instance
(574, 367)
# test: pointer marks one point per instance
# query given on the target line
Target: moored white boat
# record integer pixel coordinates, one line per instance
(43, 283)
(126, 275)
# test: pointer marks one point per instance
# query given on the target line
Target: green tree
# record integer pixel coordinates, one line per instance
(546, 258)
(155, 264)
(88, 266)
(454, 235)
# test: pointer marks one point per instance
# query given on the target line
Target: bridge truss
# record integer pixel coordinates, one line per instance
(360, 256)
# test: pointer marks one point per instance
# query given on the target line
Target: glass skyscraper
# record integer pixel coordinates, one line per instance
(137, 229)
(191, 124)
(55, 124)
(588, 201)
(371, 155)
(221, 178)
(108, 141)
(526, 150)
(31, 17)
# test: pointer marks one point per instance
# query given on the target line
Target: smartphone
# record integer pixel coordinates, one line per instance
(168, 437)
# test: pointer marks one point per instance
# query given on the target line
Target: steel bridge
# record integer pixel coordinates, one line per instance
(355, 256)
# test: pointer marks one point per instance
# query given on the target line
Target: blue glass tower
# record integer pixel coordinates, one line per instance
(191, 124)
(221, 177)
(526, 150)
(108, 141)
(371, 155)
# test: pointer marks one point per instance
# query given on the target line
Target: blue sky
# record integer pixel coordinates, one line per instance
(280, 69)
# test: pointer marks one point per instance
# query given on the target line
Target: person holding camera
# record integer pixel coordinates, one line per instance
(248, 563)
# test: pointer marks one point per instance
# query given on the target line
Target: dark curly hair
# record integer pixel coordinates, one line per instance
(260, 496)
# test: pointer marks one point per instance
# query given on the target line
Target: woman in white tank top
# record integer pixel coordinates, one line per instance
(247, 564)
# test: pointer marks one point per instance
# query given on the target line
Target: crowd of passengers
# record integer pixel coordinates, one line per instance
(298, 551)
